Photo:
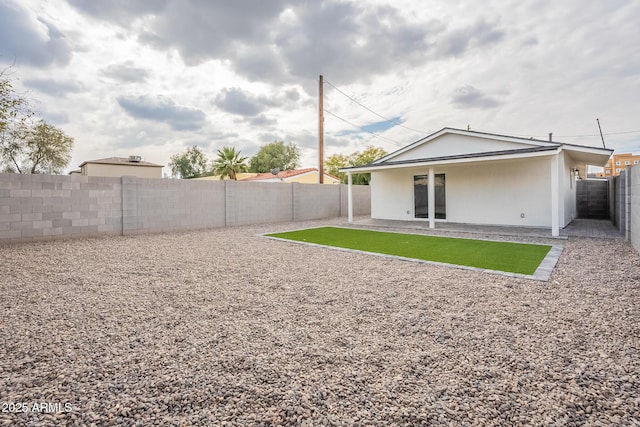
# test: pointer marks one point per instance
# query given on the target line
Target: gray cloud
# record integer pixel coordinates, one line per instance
(54, 87)
(262, 121)
(23, 41)
(203, 30)
(163, 110)
(458, 41)
(470, 97)
(237, 101)
(243, 103)
(285, 42)
(126, 72)
(119, 11)
(349, 42)
(260, 63)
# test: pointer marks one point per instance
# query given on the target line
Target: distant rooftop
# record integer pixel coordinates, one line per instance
(122, 161)
(284, 174)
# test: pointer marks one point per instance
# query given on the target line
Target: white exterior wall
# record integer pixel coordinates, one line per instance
(392, 194)
(567, 184)
(476, 193)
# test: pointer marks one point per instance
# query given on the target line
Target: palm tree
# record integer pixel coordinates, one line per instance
(229, 163)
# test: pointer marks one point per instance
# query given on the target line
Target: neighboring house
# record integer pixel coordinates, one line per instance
(480, 178)
(618, 163)
(303, 176)
(121, 166)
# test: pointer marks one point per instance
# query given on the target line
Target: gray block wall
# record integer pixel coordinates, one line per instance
(322, 202)
(162, 205)
(361, 200)
(258, 202)
(44, 207)
(619, 205)
(634, 208)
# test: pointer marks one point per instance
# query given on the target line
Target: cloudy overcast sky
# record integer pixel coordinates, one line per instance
(153, 77)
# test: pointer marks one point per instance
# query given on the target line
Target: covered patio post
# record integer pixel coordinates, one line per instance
(349, 197)
(431, 199)
(555, 205)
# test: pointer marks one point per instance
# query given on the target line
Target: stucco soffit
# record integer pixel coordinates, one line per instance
(589, 156)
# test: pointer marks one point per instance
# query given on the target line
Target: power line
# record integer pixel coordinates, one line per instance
(397, 123)
(597, 134)
(371, 111)
(516, 134)
(364, 130)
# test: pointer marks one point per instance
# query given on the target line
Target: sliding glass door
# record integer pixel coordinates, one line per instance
(421, 196)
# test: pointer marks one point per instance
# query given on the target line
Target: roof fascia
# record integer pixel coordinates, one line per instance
(373, 167)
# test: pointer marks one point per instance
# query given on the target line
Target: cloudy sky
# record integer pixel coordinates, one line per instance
(153, 77)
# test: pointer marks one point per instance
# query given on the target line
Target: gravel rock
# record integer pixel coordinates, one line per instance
(224, 327)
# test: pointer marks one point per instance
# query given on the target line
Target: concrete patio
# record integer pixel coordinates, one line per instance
(593, 228)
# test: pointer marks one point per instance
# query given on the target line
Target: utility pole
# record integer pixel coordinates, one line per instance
(321, 131)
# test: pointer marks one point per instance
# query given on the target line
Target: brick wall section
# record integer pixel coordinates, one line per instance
(634, 200)
(44, 207)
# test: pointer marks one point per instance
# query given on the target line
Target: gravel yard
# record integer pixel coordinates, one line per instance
(224, 327)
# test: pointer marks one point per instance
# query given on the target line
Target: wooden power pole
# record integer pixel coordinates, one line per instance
(321, 131)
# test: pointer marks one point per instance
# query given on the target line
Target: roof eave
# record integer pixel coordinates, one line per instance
(445, 130)
(427, 162)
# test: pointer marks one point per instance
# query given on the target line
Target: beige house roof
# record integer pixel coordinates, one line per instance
(308, 175)
(240, 176)
(122, 161)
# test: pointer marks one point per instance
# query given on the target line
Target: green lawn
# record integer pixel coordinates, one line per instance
(503, 256)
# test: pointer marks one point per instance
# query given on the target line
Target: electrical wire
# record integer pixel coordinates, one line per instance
(397, 123)
(597, 134)
(555, 136)
(398, 144)
(371, 111)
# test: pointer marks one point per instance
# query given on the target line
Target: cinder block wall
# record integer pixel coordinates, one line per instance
(620, 208)
(312, 201)
(258, 202)
(634, 200)
(361, 200)
(161, 205)
(43, 207)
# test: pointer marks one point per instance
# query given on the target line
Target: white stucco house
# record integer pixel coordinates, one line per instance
(480, 178)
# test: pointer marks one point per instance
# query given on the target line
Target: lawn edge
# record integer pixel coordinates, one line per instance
(542, 273)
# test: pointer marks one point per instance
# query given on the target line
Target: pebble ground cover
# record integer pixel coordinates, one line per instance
(225, 327)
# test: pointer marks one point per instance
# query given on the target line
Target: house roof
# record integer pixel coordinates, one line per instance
(284, 175)
(530, 148)
(121, 161)
(239, 175)
(471, 155)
